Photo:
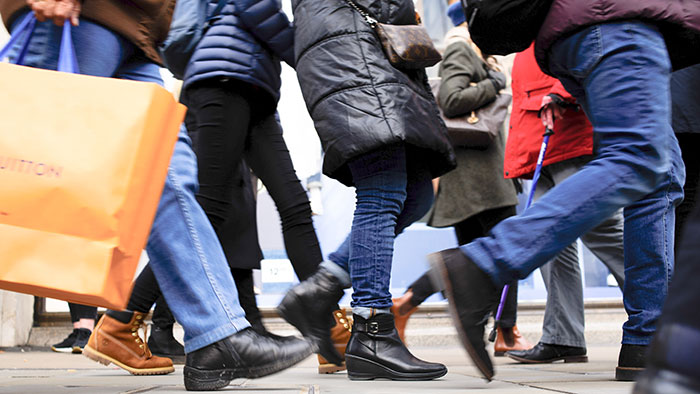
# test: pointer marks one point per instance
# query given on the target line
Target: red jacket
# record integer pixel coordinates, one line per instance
(573, 134)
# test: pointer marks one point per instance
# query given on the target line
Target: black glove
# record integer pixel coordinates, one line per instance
(498, 79)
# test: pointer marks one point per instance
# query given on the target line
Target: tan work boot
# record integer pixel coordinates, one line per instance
(509, 339)
(113, 341)
(340, 334)
(402, 310)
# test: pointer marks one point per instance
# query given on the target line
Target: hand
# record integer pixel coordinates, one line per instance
(549, 111)
(498, 79)
(56, 10)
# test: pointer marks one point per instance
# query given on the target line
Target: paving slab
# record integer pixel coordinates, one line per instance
(45, 372)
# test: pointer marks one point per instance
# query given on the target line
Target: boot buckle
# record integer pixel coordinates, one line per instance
(373, 327)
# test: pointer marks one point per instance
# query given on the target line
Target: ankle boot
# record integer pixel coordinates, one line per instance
(340, 334)
(376, 351)
(116, 340)
(402, 310)
(309, 305)
(163, 344)
(509, 339)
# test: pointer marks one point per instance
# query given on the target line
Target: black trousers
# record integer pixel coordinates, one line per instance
(474, 227)
(689, 143)
(79, 311)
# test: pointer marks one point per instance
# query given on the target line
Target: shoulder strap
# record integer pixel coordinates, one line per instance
(219, 6)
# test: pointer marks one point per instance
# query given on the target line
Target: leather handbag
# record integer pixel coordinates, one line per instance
(479, 128)
(407, 47)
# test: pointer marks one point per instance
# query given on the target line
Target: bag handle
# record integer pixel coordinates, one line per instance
(67, 61)
(26, 26)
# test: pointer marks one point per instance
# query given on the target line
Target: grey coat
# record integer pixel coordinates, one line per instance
(477, 184)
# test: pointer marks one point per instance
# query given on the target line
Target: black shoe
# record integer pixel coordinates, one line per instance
(631, 362)
(376, 351)
(66, 345)
(471, 296)
(245, 354)
(309, 307)
(548, 353)
(672, 366)
(81, 340)
(163, 344)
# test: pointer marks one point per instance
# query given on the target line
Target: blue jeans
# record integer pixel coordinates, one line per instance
(392, 192)
(184, 252)
(619, 73)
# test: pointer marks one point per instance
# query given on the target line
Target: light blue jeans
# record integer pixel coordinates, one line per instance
(619, 73)
(184, 251)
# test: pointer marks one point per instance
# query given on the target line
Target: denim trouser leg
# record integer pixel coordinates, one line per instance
(390, 196)
(188, 261)
(185, 254)
(620, 73)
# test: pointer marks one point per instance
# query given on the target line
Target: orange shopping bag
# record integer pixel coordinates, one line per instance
(83, 162)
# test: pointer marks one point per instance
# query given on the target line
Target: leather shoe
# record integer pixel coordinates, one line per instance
(472, 296)
(376, 351)
(309, 307)
(544, 353)
(631, 362)
(245, 354)
(509, 339)
(163, 344)
(340, 334)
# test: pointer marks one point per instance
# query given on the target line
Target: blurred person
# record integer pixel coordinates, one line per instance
(674, 361)
(473, 197)
(118, 40)
(568, 150)
(612, 55)
(83, 318)
(381, 132)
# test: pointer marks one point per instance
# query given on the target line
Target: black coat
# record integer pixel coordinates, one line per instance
(359, 102)
(685, 100)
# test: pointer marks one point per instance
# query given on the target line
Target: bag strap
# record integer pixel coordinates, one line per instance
(67, 61)
(215, 13)
(372, 22)
(26, 26)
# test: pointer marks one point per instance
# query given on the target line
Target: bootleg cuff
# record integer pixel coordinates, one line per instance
(225, 331)
(337, 271)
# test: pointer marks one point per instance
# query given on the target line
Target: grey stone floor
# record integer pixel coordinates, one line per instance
(41, 371)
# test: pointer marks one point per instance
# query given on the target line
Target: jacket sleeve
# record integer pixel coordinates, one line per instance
(559, 90)
(457, 95)
(269, 24)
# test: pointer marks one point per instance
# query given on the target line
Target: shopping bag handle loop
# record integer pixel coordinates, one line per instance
(67, 60)
(26, 26)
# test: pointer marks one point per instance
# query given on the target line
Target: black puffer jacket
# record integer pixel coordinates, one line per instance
(359, 102)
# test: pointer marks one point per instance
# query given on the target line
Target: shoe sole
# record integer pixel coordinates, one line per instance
(329, 368)
(102, 358)
(627, 374)
(567, 359)
(360, 368)
(76, 350)
(441, 275)
(62, 349)
(208, 380)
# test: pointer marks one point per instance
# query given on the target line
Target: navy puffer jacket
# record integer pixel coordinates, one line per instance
(245, 43)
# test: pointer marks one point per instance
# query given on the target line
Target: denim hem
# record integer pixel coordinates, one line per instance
(215, 335)
(482, 261)
(366, 312)
(556, 340)
(338, 271)
(630, 340)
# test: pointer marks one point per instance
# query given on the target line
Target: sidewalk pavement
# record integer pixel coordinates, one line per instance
(41, 371)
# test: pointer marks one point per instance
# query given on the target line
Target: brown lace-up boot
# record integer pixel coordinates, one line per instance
(509, 339)
(340, 334)
(116, 340)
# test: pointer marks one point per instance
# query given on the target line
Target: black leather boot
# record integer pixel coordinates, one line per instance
(245, 354)
(631, 362)
(376, 351)
(472, 296)
(163, 344)
(309, 307)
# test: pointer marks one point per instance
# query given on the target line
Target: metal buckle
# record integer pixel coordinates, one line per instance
(373, 327)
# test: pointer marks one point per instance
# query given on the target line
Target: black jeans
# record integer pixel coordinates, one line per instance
(79, 311)
(468, 230)
(234, 121)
